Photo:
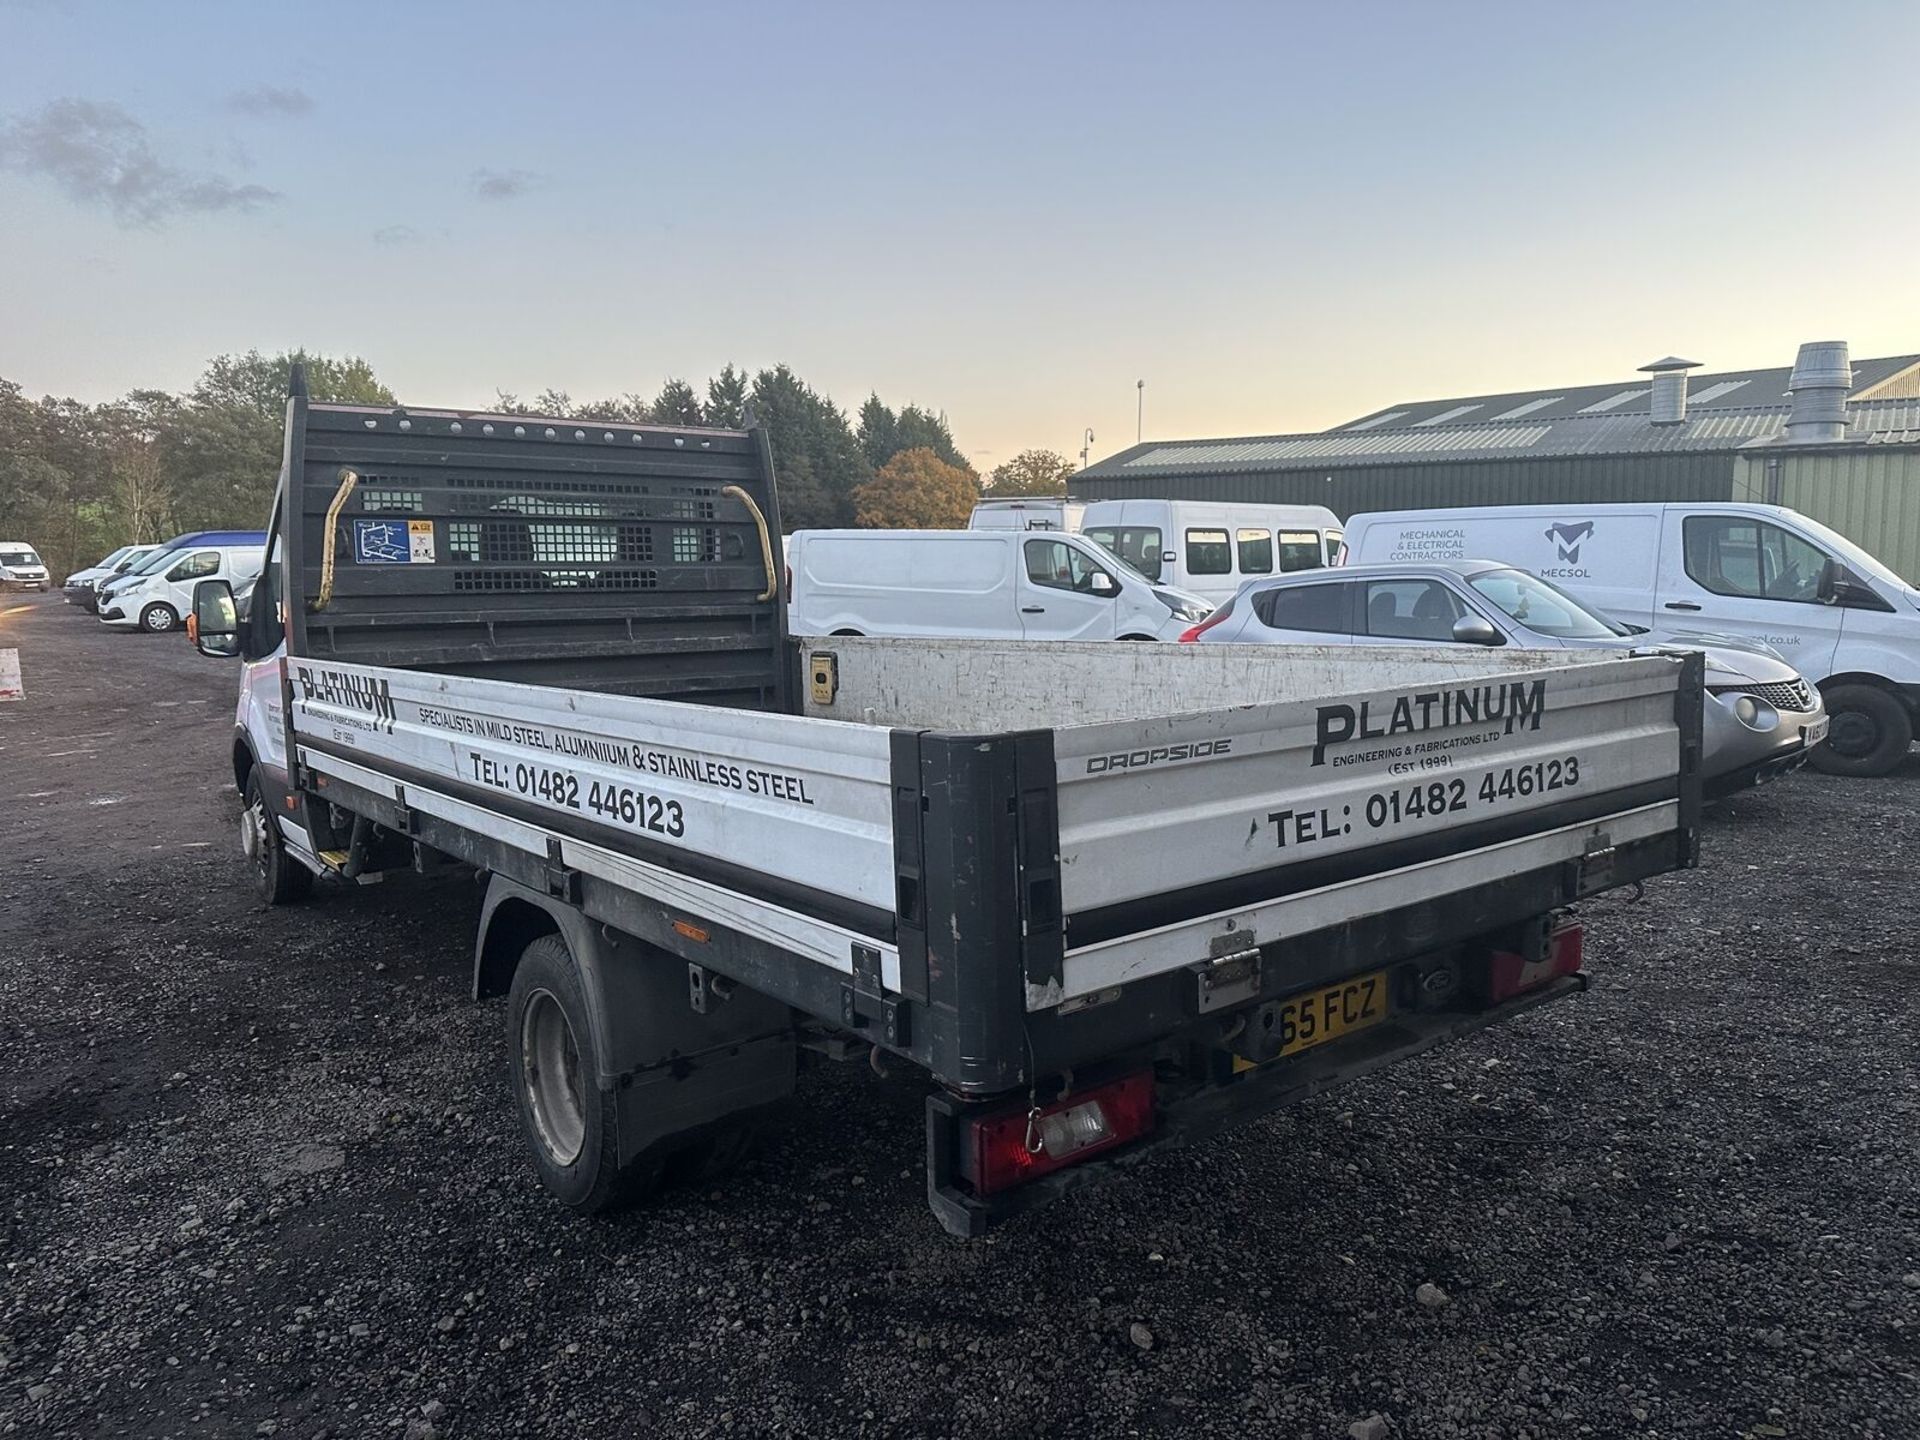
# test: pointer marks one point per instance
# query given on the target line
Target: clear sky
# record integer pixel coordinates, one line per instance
(1279, 215)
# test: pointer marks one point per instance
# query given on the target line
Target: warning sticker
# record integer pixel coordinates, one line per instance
(393, 542)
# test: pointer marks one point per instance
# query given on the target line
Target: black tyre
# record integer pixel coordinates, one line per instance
(277, 876)
(1870, 731)
(568, 1121)
(159, 619)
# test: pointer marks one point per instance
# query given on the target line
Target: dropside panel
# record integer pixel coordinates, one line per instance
(796, 810)
(1187, 830)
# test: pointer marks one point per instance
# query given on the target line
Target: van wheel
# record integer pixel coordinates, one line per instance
(158, 619)
(277, 876)
(854, 633)
(1870, 732)
(1136, 637)
(568, 1120)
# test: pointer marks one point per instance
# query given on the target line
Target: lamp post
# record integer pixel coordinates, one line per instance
(1140, 411)
(1085, 448)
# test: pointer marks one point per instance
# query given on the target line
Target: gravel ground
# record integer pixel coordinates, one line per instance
(259, 1174)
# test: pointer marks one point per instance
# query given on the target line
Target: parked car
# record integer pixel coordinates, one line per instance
(157, 595)
(1762, 718)
(21, 567)
(1210, 549)
(79, 586)
(1843, 619)
(982, 584)
(1030, 512)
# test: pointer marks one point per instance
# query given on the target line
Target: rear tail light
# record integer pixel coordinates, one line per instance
(1510, 974)
(1016, 1145)
(1187, 637)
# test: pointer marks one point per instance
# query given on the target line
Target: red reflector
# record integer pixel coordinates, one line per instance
(996, 1154)
(1509, 974)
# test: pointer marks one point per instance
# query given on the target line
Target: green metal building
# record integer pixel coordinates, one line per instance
(1743, 435)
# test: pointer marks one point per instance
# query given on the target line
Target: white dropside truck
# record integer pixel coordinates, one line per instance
(1108, 898)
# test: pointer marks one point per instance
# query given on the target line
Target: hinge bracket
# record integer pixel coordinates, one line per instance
(563, 883)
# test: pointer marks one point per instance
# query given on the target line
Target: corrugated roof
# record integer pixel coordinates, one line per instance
(1732, 389)
(1882, 422)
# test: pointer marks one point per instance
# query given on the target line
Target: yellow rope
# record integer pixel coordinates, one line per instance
(766, 540)
(348, 479)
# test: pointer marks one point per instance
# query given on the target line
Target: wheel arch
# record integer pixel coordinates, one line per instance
(511, 919)
(1907, 695)
(643, 1027)
(243, 761)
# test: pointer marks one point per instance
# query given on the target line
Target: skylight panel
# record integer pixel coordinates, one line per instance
(1445, 415)
(1613, 401)
(1714, 392)
(1529, 407)
(1377, 420)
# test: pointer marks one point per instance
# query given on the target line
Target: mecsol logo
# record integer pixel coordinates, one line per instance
(1568, 539)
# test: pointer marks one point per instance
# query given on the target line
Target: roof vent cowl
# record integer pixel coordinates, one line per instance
(1669, 401)
(1819, 384)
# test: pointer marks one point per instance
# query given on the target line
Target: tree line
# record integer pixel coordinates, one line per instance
(77, 480)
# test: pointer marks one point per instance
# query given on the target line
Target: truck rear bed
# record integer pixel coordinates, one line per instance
(1202, 791)
(960, 883)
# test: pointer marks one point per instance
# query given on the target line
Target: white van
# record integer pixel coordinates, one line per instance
(976, 584)
(160, 599)
(1753, 572)
(1211, 548)
(21, 567)
(1028, 512)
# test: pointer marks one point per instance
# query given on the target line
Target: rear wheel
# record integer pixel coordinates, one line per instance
(158, 619)
(1870, 731)
(568, 1120)
(279, 878)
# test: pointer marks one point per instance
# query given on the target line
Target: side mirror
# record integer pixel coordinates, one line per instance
(1840, 586)
(1476, 630)
(1832, 582)
(1102, 584)
(214, 626)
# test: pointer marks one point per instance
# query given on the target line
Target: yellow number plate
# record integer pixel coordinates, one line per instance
(1322, 1015)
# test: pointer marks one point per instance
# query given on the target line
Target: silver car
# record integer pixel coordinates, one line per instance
(1761, 721)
